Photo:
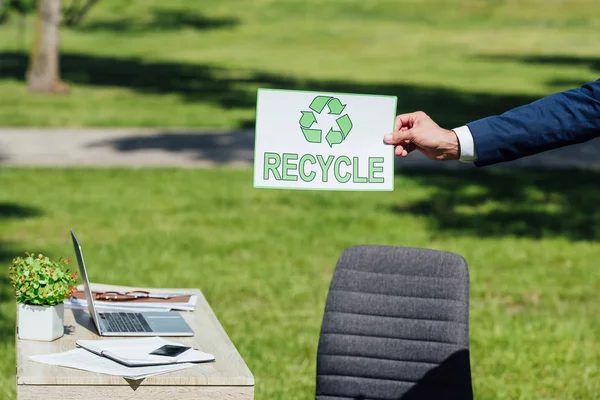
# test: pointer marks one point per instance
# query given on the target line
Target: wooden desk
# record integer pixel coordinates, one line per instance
(226, 378)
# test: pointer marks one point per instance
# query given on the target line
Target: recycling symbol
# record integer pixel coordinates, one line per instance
(334, 136)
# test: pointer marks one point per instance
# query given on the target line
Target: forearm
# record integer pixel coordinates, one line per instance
(557, 120)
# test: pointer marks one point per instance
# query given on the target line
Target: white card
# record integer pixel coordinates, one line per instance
(316, 140)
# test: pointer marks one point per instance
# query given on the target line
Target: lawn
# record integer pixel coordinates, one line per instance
(198, 63)
(531, 238)
(264, 259)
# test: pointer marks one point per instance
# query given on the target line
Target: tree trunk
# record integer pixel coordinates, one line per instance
(43, 74)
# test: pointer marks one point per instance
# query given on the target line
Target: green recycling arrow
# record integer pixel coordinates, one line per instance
(335, 106)
(307, 119)
(334, 137)
(312, 135)
(345, 124)
(319, 103)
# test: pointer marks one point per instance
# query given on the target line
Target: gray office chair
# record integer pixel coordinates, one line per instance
(396, 326)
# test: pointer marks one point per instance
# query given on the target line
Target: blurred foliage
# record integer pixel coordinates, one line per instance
(73, 10)
(21, 7)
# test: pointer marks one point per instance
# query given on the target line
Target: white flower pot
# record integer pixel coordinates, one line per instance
(45, 323)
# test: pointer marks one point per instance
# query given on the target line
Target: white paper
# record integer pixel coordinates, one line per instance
(314, 140)
(85, 360)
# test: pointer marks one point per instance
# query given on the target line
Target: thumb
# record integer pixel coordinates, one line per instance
(399, 137)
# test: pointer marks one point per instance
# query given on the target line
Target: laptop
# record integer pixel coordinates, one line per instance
(129, 323)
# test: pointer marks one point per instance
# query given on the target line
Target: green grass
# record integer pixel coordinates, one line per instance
(264, 259)
(190, 64)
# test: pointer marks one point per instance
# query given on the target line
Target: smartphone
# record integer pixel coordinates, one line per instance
(170, 350)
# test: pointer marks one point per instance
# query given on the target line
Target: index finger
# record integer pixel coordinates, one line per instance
(404, 120)
(401, 120)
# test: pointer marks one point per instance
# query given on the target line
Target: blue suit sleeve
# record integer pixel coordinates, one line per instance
(554, 121)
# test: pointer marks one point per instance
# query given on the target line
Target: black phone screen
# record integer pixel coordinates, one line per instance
(170, 350)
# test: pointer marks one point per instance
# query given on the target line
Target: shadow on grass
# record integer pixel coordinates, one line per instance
(7, 252)
(214, 147)
(10, 211)
(592, 63)
(161, 20)
(500, 202)
(235, 89)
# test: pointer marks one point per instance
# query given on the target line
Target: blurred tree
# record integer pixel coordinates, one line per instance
(43, 74)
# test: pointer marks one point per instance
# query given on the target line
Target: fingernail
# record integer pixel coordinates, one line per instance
(387, 137)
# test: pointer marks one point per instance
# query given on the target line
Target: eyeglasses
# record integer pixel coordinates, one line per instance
(133, 295)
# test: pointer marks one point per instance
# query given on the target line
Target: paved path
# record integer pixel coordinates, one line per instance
(200, 148)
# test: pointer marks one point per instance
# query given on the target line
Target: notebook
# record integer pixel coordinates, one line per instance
(145, 351)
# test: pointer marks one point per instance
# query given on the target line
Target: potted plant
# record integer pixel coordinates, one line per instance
(41, 285)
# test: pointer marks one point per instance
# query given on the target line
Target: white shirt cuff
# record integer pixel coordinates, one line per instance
(468, 152)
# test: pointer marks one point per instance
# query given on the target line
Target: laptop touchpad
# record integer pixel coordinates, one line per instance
(166, 322)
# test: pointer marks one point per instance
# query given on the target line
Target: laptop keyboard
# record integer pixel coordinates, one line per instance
(125, 322)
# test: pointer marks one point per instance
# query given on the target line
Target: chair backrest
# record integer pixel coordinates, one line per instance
(396, 326)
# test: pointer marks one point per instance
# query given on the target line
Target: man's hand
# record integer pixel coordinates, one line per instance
(416, 131)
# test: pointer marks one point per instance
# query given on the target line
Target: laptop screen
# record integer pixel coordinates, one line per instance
(84, 279)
